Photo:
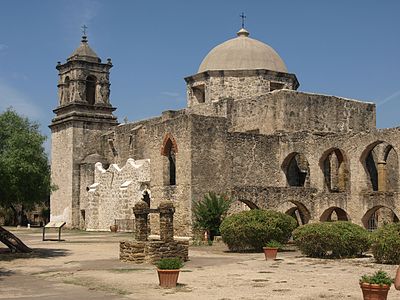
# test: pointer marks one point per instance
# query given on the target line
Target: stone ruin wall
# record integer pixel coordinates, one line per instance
(114, 193)
(144, 140)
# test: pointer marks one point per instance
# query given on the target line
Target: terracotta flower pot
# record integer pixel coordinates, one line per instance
(270, 253)
(374, 291)
(168, 278)
(114, 228)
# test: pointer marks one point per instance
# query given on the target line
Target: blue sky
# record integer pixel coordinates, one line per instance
(343, 48)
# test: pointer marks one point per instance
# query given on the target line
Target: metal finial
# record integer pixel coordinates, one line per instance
(243, 17)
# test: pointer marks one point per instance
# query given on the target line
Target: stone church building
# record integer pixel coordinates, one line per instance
(246, 132)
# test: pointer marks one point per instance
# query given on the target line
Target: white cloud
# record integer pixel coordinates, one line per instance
(394, 96)
(3, 47)
(12, 97)
(170, 94)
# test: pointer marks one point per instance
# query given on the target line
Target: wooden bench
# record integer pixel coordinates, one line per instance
(53, 224)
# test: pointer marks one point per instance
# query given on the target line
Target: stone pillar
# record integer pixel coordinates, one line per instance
(382, 176)
(167, 211)
(141, 211)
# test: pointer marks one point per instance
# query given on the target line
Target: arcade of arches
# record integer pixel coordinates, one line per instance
(379, 161)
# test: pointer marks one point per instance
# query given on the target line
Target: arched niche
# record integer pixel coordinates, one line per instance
(334, 213)
(378, 216)
(335, 169)
(297, 170)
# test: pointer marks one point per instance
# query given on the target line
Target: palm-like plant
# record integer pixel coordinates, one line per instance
(209, 212)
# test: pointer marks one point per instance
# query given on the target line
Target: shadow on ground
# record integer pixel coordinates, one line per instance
(5, 272)
(7, 255)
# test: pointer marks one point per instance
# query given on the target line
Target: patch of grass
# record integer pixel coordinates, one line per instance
(92, 285)
(128, 270)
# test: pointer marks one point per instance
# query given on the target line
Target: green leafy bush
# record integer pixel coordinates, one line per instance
(386, 244)
(251, 230)
(379, 277)
(169, 263)
(209, 212)
(332, 239)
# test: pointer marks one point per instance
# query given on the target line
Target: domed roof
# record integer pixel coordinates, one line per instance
(84, 52)
(242, 53)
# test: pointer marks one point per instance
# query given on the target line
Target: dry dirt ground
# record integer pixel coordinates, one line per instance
(86, 266)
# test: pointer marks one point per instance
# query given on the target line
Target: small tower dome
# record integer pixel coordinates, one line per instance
(84, 52)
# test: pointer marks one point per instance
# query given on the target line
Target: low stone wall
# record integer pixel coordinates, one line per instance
(152, 251)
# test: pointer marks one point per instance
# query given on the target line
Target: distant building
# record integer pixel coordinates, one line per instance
(246, 131)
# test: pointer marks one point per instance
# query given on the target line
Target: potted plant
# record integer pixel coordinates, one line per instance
(114, 228)
(168, 271)
(271, 249)
(376, 286)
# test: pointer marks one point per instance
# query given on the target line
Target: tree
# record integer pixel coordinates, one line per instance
(24, 168)
(210, 212)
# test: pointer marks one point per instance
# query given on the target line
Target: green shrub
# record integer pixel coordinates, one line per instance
(386, 244)
(332, 239)
(169, 263)
(209, 212)
(251, 230)
(379, 277)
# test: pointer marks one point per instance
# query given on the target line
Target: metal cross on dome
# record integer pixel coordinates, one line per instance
(84, 27)
(243, 17)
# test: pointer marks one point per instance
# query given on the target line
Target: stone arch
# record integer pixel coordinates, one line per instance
(169, 150)
(298, 211)
(241, 205)
(297, 170)
(335, 168)
(339, 213)
(372, 219)
(90, 88)
(380, 162)
(65, 97)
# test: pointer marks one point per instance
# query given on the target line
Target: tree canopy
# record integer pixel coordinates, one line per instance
(24, 167)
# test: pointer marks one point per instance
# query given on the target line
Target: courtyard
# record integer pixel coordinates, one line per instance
(86, 266)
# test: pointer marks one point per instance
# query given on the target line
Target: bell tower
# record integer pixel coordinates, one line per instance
(84, 112)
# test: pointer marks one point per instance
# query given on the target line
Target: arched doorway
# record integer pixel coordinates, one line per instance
(169, 150)
(241, 205)
(298, 211)
(334, 213)
(378, 216)
(91, 89)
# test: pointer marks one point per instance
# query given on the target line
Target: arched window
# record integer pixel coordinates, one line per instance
(381, 164)
(296, 170)
(90, 89)
(169, 150)
(335, 171)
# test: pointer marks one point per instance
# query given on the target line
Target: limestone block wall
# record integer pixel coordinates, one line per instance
(292, 111)
(215, 85)
(115, 191)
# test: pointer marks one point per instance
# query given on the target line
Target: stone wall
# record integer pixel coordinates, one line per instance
(215, 85)
(115, 191)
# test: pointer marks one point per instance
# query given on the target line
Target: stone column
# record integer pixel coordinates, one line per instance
(167, 211)
(141, 211)
(382, 176)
